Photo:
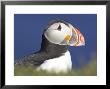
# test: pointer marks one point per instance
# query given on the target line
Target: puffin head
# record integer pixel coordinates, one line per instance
(63, 33)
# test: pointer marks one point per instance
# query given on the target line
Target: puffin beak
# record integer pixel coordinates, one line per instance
(77, 39)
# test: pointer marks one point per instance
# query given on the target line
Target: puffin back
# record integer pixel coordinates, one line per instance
(47, 51)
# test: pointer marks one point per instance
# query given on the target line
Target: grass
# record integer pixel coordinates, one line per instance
(88, 70)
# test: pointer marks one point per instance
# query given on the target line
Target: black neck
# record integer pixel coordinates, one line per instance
(52, 48)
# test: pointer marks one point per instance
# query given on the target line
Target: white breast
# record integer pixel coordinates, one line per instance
(59, 64)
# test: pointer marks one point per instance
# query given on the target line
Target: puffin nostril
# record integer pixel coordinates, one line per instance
(59, 28)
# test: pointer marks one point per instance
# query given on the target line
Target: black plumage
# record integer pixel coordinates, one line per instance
(47, 51)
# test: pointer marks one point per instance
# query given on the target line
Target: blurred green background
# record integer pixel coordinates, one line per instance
(88, 70)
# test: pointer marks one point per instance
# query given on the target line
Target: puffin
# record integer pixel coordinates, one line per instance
(54, 55)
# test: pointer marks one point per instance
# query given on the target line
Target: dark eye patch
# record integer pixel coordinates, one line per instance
(59, 28)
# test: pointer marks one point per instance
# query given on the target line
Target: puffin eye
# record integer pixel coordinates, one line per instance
(59, 28)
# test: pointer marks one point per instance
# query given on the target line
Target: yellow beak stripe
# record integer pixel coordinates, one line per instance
(68, 37)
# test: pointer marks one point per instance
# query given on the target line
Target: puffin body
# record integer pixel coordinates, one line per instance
(62, 63)
(53, 55)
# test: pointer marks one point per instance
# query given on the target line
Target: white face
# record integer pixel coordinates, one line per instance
(56, 32)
